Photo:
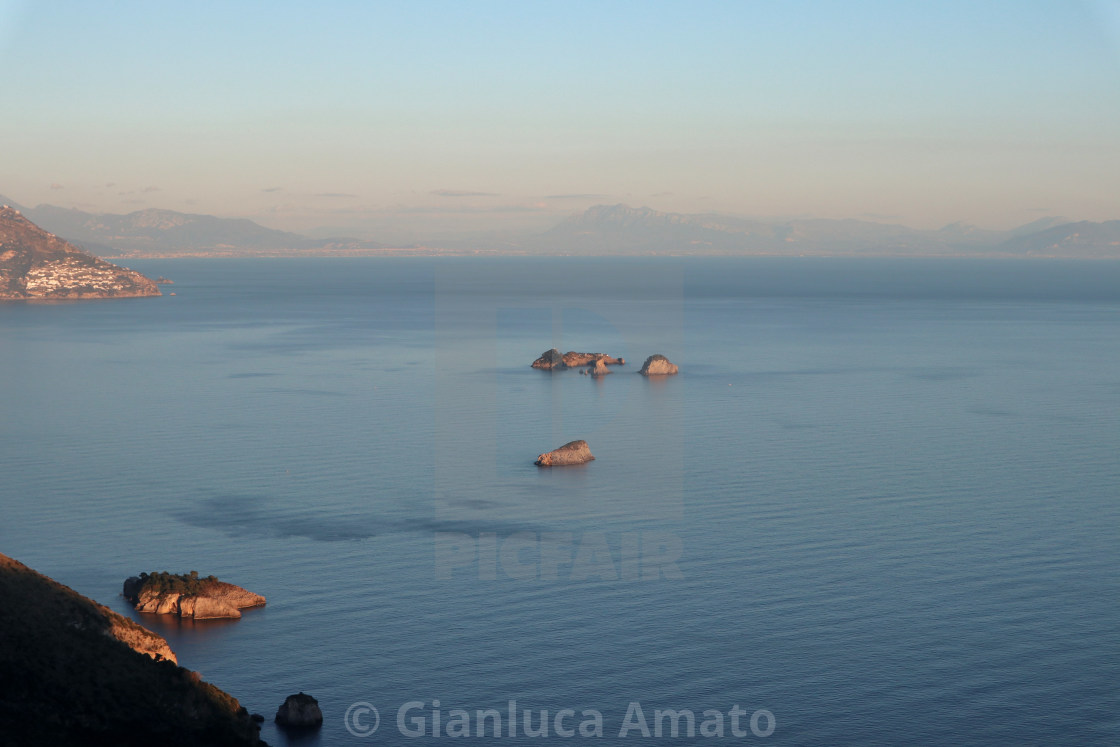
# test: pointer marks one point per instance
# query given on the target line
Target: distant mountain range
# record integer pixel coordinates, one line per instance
(600, 230)
(153, 232)
(162, 230)
(619, 229)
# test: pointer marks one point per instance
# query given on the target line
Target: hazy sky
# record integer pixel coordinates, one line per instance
(390, 118)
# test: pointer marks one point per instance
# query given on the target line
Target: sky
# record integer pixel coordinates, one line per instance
(420, 120)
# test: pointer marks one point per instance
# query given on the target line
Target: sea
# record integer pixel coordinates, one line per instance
(879, 504)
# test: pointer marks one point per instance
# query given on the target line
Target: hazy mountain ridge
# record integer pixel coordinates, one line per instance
(156, 232)
(601, 229)
(1040, 225)
(620, 229)
(153, 230)
(1081, 239)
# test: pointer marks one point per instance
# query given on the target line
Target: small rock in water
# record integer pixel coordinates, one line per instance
(573, 452)
(657, 365)
(299, 710)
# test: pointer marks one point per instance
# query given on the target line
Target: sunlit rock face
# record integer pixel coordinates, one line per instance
(550, 360)
(212, 599)
(657, 365)
(573, 359)
(573, 452)
(553, 360)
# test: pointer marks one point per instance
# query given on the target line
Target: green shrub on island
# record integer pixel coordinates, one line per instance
(186, 584)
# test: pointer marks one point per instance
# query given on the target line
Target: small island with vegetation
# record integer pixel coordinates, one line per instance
(658, 365)
(188, 595)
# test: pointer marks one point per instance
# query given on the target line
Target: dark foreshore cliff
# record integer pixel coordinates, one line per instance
(73, 672)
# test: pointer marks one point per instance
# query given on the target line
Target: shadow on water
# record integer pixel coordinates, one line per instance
(657, 383)
(187, 637)
(295, 737)
(249, 515)
(255, 516)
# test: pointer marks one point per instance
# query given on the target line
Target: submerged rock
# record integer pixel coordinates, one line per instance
(657, 365)
(573, 452)
(300, 710)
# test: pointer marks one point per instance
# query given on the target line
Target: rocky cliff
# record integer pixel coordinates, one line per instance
(73, 672)
(188, 596)
(35, 264)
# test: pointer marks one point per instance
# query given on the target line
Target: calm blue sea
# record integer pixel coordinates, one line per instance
(880, 505)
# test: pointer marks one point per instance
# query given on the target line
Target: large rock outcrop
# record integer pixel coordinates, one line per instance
(73, 672)
(300, 711)
(35, 264)
(189, 596)
(657, 365)
(550, 360)
(573, 452)
(553, 360)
